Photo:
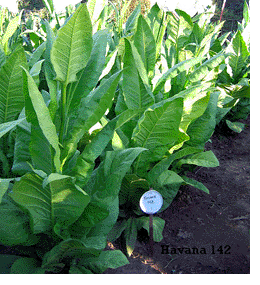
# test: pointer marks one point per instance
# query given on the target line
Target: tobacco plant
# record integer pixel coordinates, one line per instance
(57, 193)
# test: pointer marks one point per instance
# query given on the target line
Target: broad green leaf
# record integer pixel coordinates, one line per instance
(202, 128)
(11, 28)
(158, 226)
(40, 150)
(37, 54)
(133, 95)
(132, 19)
(205, 159)
(158, 127)
(238, 57)
(133, 187)
(107, 259)
(11, 86)
(156, 21)
(174, 71)
(60, 201)
(37, 113)
(164, 164)
(14, 224)
(4, 184)
(66, 251)
(49, 70)
(196, 184)
(86, 161)
(178, 30)
(88, 78)
(6, 127)
(203, 70)
(168, 184)
(79, 269)
(195, 102)
(130, 235)
(92, 215)
(90, 111)
(72, 47)
(21, 148)
(145, 45)
(2, 56)
(117, 230)
(235, 126)
(140, 65)
(25, 265)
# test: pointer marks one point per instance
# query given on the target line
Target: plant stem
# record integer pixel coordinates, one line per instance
(63, 112)
(222, 10)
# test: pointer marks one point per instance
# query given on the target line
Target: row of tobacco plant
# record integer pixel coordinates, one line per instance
(95, 113)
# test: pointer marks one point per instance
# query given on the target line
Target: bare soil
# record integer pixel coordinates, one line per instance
(212, 231)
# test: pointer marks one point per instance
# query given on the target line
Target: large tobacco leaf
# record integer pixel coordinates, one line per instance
(55, 199)
(14, 223)
(89, 76)
(158, 129)
(38, 114)
(145, 45)
(11, 86)
(72, 47)
(135, 96)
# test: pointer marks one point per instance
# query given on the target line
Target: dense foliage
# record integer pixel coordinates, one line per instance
(94, 112)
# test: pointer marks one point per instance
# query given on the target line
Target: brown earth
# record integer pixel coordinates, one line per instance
(213, 229)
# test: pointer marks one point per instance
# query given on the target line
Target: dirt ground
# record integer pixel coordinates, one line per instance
(212, 231)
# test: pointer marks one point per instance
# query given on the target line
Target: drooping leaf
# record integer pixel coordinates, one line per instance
(107, 259)
(67, 250)
(58, 200)
(164, 164)
(72, 47)
(6, 127)
(205, 159)
(159, 125)
(195, 183)
(14, 224)
(117, 230)
(168, 184)
(92, 215)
